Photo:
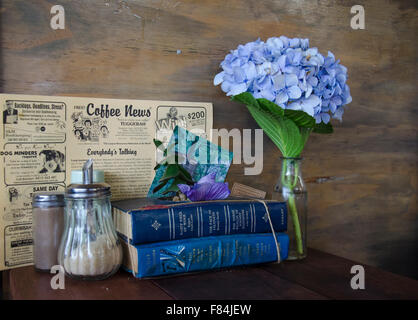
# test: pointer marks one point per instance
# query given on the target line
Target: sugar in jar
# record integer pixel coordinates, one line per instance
(90, 248)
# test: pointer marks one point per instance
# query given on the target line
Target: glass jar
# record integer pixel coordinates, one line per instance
(48, 224)
(90, 248)
(291, 189)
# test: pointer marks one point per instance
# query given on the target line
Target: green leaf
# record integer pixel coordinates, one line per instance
(288, 129)
(173, 187)
(176, 171)
(305, 132)
(186, 175)
(246, 98)
(170, 172)
(300, 118)
(185, 179)
(323, 128)
(175, 158)
(169, 149)
(282, 131)
(159, 187)
(157, 142)
(267, 105)
(160, 147)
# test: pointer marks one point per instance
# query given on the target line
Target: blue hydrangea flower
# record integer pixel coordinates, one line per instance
(289, 73)
(287, 88)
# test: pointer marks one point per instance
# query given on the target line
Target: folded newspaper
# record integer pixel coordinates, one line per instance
(44, 138)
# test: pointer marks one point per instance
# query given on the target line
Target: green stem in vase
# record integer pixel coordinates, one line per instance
(290, 184)
(296, 224)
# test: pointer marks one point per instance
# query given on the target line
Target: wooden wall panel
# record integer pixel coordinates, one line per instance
(362, 180)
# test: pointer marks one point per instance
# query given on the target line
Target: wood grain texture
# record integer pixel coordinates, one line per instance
(362, 180)
(27, 284)
(321, 276)
(330, 276)
(237, 284)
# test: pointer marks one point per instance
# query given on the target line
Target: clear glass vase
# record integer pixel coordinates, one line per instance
(291, 189)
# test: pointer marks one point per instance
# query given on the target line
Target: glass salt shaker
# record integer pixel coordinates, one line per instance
(48, 224)
(90, 248)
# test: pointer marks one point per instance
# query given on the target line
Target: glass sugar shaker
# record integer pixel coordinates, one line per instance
(90, 248)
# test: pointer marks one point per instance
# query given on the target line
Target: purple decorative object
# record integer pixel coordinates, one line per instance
(206, 189)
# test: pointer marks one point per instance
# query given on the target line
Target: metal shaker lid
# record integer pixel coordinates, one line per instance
(48, 199)
(87, 189)
(77, 176)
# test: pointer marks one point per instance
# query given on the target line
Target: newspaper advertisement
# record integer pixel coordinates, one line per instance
(44, 138)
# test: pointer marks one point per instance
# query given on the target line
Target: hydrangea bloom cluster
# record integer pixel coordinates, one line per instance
(289, 73)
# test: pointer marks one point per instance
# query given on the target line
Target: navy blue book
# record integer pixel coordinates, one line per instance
(146, 220)
(197, 254)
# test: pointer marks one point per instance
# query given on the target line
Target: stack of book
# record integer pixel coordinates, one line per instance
(162, 238)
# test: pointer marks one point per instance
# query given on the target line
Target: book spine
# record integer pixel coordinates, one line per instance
(208, 253)
(204, 220)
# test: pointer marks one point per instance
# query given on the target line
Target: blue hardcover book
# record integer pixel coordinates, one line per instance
(147, 220)
(197, 254)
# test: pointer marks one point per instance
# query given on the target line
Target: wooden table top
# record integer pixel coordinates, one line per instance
(362, 180)
(320, 276)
